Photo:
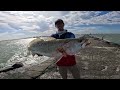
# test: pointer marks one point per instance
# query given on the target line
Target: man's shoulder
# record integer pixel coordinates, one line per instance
(54, 34)
(70, 33)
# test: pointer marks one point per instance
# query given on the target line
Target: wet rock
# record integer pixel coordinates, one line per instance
(107, 42)
(96, 39)
(17, 65)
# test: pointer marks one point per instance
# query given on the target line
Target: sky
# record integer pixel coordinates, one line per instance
(22, 24)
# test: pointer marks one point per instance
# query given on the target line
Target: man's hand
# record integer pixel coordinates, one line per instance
(88, 43)
(61, 50)
(85, 42)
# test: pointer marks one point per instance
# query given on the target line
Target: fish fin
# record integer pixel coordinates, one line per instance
(49, 39)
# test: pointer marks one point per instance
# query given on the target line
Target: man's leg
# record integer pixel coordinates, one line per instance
(75, 71)
(63, 72)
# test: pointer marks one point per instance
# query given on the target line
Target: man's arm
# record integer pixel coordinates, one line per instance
(85, 43)
(72, 36)
(62, 51)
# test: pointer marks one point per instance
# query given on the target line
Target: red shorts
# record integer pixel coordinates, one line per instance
(67, 61)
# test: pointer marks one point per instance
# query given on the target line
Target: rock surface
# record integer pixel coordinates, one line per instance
(99, 60)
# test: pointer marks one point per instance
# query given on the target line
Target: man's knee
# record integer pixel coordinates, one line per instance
(63, 72)
(75, 72)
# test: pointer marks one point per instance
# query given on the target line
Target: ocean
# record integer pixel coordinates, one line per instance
(109, 37)
(12, 51)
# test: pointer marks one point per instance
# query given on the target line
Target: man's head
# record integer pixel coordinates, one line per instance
(59, 24)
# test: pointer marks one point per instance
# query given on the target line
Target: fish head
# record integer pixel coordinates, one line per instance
(33, 47)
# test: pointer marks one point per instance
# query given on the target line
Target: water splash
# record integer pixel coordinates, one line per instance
(17, 52)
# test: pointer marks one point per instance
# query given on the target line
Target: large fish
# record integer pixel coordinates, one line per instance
(48, 46)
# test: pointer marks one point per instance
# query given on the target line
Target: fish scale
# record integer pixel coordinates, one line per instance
(49, 46)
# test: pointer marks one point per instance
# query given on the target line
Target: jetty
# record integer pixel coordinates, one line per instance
(99, 60)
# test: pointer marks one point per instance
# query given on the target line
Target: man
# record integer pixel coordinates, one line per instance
(66, 62)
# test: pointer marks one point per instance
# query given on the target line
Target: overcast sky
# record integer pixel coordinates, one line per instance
(20, 24)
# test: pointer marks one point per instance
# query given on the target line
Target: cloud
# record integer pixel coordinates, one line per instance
(92, 17)
(42, 22)
(63, 13)
(84, 30)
